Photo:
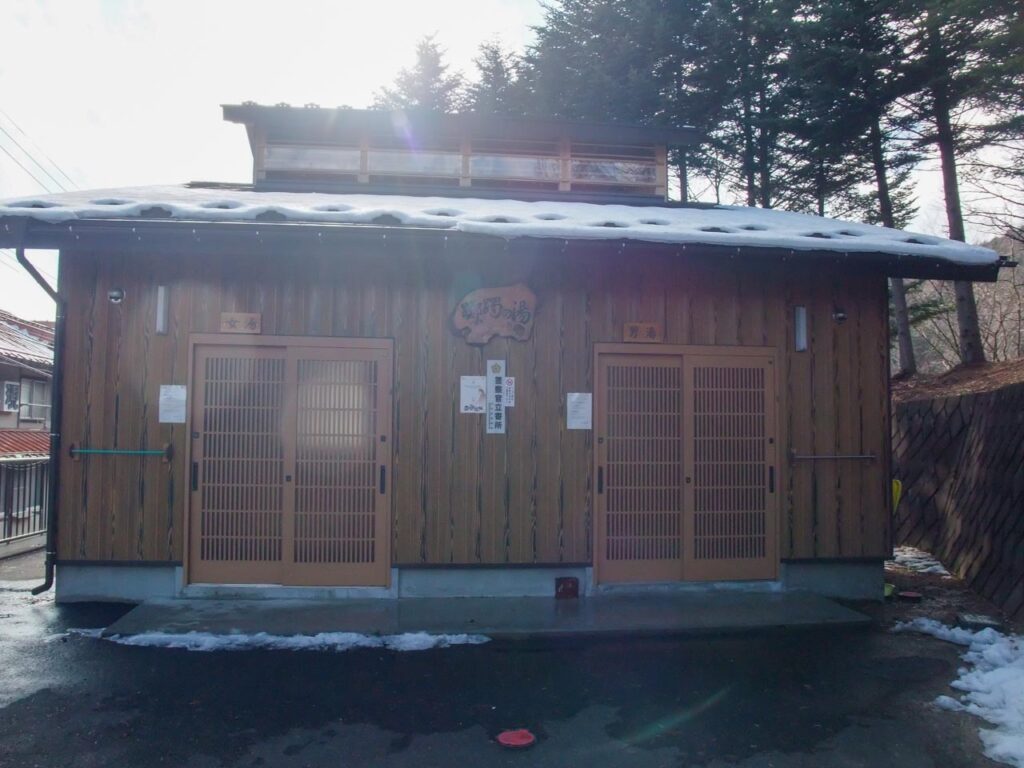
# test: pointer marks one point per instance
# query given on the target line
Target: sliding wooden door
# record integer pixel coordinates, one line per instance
(291, 462)
(684, 464)
(730, 498)
(639, 451)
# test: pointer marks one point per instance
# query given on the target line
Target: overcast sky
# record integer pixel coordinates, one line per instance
(126, 92)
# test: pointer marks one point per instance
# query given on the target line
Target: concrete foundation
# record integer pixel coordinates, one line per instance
(487, 582)
(116, 583)
(849, 581)
(77, 583)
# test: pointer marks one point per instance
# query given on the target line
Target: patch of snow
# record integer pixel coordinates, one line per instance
(723, 225)
(992, 683)
(324, 641)
(917, 560)
(74, 632)
(949, 703)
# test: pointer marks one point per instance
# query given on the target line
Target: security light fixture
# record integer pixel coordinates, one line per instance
(161, 310)
(800, 328)
(116, 295)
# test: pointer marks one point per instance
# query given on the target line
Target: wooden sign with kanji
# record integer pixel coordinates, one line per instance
(240, 322)
(642, 332)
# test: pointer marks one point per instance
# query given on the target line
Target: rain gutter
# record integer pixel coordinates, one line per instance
(56, 401)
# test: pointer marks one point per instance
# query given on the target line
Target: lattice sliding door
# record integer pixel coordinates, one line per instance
(730, 520)
(239, 504)
(342, 465)
(291, 464)
(639, 498)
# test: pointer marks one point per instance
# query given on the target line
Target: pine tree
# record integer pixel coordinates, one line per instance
(426, 85)
(595, 60)
(738, 86)
(947, 42)
(847, 79)
(498, 88)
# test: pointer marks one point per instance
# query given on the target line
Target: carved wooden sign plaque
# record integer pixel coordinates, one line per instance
(488, 312)
(240, 322)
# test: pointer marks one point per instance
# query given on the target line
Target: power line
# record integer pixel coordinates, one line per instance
(17, 268)
(10, 267)
(26, 170)
(37, 163)
(46, 157)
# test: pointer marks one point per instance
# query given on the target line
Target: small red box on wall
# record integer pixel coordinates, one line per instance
(567, 587)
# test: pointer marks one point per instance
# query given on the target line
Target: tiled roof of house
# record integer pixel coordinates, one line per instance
(25, 342)
(23, 442)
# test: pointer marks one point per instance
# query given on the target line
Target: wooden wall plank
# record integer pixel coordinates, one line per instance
(461, 496)
(823, 420)
(799, 535)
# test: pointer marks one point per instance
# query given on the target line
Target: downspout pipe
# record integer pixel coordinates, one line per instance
(56, 402)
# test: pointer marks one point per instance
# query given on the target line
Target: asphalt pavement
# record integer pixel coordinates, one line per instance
(843, 697)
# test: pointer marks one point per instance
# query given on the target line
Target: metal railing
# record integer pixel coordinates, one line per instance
(23, 497)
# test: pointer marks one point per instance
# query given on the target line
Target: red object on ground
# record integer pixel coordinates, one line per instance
(517, 739)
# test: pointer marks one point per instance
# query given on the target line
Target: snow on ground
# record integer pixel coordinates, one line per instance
(707, 225)
(992, 683)
(324, 641)
(916, 560)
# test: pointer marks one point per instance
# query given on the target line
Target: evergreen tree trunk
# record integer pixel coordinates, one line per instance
(905, 342)
(764, 150)
(684, 177)
(971, 351)
(748, 151)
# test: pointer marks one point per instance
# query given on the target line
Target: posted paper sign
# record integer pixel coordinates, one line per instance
(510, 391)
(472, 394)
(495, 397)
(578, 410)
(172, 403)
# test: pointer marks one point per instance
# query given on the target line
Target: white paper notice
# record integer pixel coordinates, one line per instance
(495, 397)
(510, 391)
(578, 409)
(172, 403)
(473, 394)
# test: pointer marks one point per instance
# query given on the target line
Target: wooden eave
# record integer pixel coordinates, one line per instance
(269, 239)
(316, 125)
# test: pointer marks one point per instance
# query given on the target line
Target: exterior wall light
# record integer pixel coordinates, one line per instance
(116, 295)
(800, 328)
(161, 310)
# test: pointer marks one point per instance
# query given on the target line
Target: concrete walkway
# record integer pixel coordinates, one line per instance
(678, 614)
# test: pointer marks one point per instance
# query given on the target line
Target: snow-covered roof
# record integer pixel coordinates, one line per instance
(707, 225)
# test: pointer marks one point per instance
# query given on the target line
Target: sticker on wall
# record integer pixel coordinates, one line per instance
(495, 397)
(488, 312)
(472, 394)
(578, 410)
(172, 403)
(510, 391)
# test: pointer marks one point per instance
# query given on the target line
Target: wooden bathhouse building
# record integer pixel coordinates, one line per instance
(462, 355)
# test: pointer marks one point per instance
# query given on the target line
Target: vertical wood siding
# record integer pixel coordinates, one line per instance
(461, 496)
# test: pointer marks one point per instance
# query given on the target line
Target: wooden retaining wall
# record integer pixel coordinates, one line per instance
(961, 460)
